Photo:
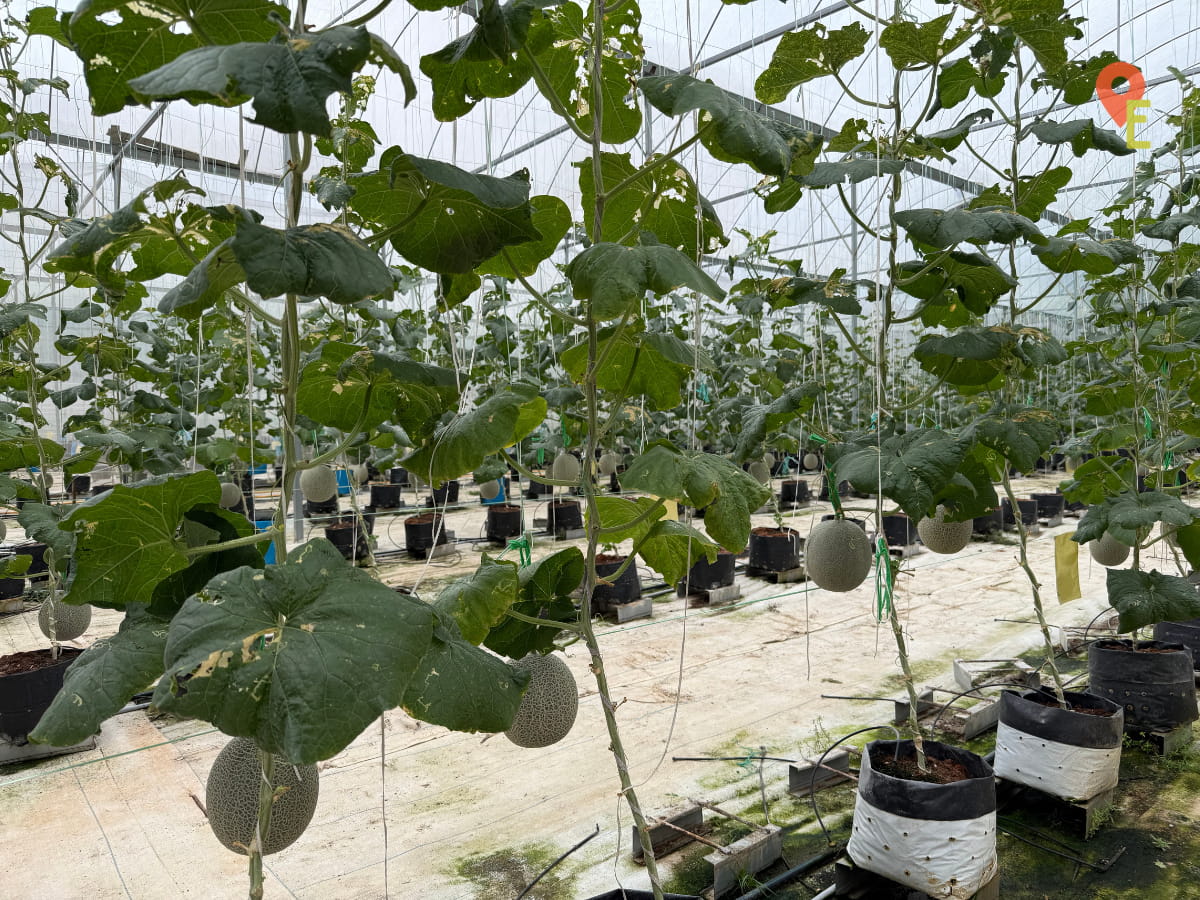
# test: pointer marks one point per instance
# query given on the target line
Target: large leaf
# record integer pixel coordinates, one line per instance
(345, 380)
(655, 365)
(909, 469)
(976, 356)
(1144, 598)
(1188, 539)
(1081, 254)
(1130, 514)
(127, 541)
(860, 168)
(804, 55)
(25, 452)
(478, 601)
(1042, 25)
(945, 228)
(103, 678)
(119, 40)
(913, 44)
(41, 524)
(1083, 135)
(440, 217)
(703, 480)
(1021, 436)
(668, 547)
(1033, 192)
(288, 80)
(551, 219)
(952, 285)
(616, 278)
(740, 134)
(760, 419)
(971, 491)
(1098, 478)
(546, 588)
(461, 445)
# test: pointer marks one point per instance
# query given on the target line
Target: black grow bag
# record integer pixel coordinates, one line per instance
(537, 489)
(563, 515)
(708, 576)
(503, 522)
(774, 550)
(98, 489)
(1186, 633)
(422, 533)
(899, 530)
(1158, 690)
(385, 496)
(25, 696)
(988, 523)
(80, 484)
(794, 490)
(844, 489)
(313, 508)
(1029, 512)
(11, 587)
(1049, 505)
(350, 539)
(398, 475)
(624, 589)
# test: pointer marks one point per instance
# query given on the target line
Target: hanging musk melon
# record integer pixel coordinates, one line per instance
(318, 484)
(551, 701)
(232, 798)
(759, 472)
(1108, 551)
(69, 621)
(489, 490)
(838, 555)
(231, 495)
(565, 468)
(941, 536)
(609, 463)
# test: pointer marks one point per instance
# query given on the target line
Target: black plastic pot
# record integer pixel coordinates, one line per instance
(313, 509)
(939, 839)
(625, 589)
(563, 515)
(774, 550)
(794, 490)
(707, 576)
(452, 489)
(1157, 689)
(423, 532)
(11, 587)
(80, 484)
(25, 696)
(1070, 754)
(1186, 633)
(398, 475)
(989, 523)
(844, 489)
(385, 496)
(1049, 505)
(98, 489)
(503, 522)
(899, 530)
(349, 538)
(1029, 512)
(37, 551)
(537, 489)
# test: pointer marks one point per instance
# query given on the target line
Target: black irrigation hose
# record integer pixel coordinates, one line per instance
(812, 785)
(817, 862)
(546, 871)
(978, 687)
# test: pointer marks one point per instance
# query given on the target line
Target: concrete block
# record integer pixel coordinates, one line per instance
(663, 838)
(806, 777)
(969, 673)
(11, 753)
(748, 856)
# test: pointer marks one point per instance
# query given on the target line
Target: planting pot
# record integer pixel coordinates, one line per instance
(774, 549)
(11, 587)
(79, 484)
(988, 523)
(28, 683)
(1152, 680)
(350, 538)
(385, 496)
(625, 589)
(503, 522)
(1186, 633)
(444, 495)
(313, 508)
(794, 490)
(1071, 753)
(939, 839)
(537, 489)
(98, 489)
(37, 565)
(844, 489)
(1049, 505)
(422, 533)
(708, 576)
(899, 530)
(563, 515)
(1029, 512)
(398, 475)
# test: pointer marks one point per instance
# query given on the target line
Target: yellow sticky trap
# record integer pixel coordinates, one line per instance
(670, 510)
(1066, 568)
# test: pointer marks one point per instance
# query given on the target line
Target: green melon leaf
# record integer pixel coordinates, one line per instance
(656, 365)
(478, 601)
(1083, 135)
(21, 452)
(703, 480)
(616, 278)
(462, 445)
(909, 469)
(971, 491)
(1188, 538)
(1144, 598)
(103, 678)
(954, 285)
(1034, 193)
(1130, 512)
(1098, 478)
(1021, 436)
(41, 524)
(943, 229)
(760, 419)
(1081, 254)
(804, 55)
(288, 81)
(126, 540)
(911, 44)
(827, 174)
(546, 588)
(552, 220)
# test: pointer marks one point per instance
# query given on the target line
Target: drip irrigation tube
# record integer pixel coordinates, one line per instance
(767, 888)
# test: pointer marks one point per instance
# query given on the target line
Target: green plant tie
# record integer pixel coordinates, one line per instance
(541, 456)
(702, 390)
(784, 468)
(566, 439)
(1148, 422)
(524, 547)
(883, 579)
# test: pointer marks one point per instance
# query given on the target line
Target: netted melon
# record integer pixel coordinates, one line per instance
(609, 463)
(489, 490)
(837, 555)
(759, 472)
(318, 484)
(941, 536)
(811, 462)
(1108, 551)
(359, 474)
(232, 798)
(62, 622)
(231, 495)
(551, 701)
(565, 468)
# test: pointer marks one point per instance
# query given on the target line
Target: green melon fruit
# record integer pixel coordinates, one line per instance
(232, 798)
(609, 463)
(551, 701)
(759, 472)
(69, 621)
(811, 462)
(359, 474)
(1108, 551)
(566, 467)
(489, 490)
(231, 495)
(837, 555)
(318, 484)
(941, 536)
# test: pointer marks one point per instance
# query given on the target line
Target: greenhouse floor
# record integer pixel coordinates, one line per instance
(473, 817)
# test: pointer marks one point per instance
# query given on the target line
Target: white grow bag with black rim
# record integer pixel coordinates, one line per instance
(936, 838)
(1065, 753)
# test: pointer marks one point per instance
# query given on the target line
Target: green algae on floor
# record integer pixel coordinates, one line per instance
(505, 873)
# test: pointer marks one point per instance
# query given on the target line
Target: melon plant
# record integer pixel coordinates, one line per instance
(942, 536)
(837, 555)
(551, 701)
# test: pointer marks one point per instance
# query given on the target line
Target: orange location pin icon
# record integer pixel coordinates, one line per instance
(1117, 104)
